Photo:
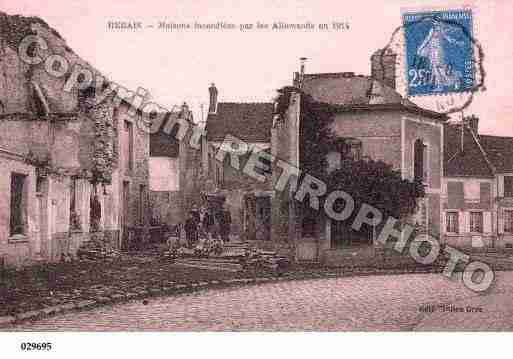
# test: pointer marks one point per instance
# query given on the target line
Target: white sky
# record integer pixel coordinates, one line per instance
(179, 66)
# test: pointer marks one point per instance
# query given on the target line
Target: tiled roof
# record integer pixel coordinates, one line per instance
(249, 122)
(358, 92)
(347, 89)
(499, 151)
(471, 161)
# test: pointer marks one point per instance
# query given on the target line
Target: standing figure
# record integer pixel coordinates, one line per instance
(208, 224)
(191, 229)
(225, 221)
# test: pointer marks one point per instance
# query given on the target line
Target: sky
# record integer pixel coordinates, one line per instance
(248, 66)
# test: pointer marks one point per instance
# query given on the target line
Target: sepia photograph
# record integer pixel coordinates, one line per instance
(245, 173)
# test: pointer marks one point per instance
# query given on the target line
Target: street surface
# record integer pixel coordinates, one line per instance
(377, 303)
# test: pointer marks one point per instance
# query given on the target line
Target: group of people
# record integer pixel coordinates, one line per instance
(204, 224)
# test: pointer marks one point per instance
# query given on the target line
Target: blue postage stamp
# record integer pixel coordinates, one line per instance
(439, 51)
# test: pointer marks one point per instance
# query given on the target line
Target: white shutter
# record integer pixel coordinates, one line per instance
(487, 222)
(500, 214)
(501, 186)
(463, 222)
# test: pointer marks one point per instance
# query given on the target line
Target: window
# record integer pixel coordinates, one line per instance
(142, 203)
(129, 132)
(18, 218)
(476, 222)
(452, 222)
(420, 160)
(508, 186)
(508, 221)
(74, 220)
(39, 184)
(354, 149)
(219, 175)
(334, 160)
(309, 226)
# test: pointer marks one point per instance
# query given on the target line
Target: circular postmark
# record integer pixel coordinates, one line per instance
(438, 61)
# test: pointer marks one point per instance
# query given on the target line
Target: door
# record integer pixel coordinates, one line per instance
(263, 218)
(124, 215)
(44, 216)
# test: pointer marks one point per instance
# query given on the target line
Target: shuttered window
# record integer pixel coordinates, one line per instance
(452, 222)
(508, 186)
(476, 222)
(18, 218)
(508, 221)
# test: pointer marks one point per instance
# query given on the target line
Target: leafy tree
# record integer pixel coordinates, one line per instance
(372, 182)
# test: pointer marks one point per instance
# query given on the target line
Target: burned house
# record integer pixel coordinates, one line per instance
(74, 168)
(175, 169)
(247, 198)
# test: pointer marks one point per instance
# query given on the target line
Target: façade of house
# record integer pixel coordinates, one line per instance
(477, 196)
(247, 198)
(71, 168)
(377, 123)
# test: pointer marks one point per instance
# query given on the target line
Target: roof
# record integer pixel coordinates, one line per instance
(346, 88)
(250, 122)
(472, 161)
(13, 28)
(163, 145)
(499, 150)
(358, 92)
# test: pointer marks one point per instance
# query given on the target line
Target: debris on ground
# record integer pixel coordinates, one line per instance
(230, 256)
(96, 249)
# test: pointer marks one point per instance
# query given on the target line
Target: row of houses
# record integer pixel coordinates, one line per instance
(468, 177)
(75, 170)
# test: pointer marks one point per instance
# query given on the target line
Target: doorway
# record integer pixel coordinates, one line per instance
(43, 246)
(125, 240)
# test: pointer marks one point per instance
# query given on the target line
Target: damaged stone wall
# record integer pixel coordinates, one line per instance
(64, 134)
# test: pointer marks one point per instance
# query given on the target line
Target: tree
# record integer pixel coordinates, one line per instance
(372, 182)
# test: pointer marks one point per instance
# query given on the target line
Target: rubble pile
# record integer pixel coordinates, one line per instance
(258, 258)
(227, 256)
(96, 249)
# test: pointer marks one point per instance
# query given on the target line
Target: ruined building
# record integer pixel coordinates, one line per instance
(72, 166)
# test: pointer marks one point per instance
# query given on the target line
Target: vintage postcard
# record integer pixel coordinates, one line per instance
(280, 166)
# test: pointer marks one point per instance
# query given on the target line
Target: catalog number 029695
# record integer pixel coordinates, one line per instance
(26, 346)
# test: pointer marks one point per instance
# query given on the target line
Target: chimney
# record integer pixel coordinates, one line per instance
(212, 107)
(472, 122)
(383, 64)
(185, 112)
(295, 80)
(302, 61)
